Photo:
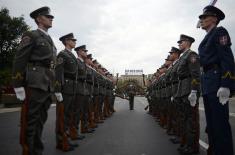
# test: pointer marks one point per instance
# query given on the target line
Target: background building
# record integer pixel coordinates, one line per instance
(134, 74)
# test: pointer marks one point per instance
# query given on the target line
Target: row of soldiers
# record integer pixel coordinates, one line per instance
(173, 91)
(83, 89)
(168, 95)
(85, 92)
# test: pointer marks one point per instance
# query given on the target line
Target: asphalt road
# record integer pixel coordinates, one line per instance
(203, 136)
(125, 133)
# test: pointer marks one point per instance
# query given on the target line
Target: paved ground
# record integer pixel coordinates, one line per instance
(125, 133)
(203, 136)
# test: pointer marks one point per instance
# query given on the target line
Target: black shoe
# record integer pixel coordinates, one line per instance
(73, 144)
(189, 151)
(176, 141)
(90, 130)
(181, 148)
(81, 137)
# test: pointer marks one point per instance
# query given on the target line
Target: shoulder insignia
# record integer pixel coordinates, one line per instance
(60, 60)
(25, 40)
(223, 40)
(227, 75)
(17, 76)
(57, 84)
(193, 59)
(194, 82)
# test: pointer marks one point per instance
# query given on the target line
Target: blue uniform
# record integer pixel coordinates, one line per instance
(217, 61)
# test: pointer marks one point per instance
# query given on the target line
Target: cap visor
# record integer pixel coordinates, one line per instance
(49, 16)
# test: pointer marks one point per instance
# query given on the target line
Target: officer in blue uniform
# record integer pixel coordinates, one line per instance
(217, 63)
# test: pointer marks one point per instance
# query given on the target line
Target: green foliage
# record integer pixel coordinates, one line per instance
(5, 76)
(11, 29)
(122, 85)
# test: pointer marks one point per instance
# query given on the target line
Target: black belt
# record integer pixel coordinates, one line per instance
(41, 64)
(89, 82)
(184, 77)
(70, 76)
(210, 67)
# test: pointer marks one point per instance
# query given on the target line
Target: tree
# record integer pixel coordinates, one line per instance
(11, 29)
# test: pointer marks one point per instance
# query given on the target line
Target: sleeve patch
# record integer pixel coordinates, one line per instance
(25, 40)
(60, 61)
(193, 59)
(17, 76)
(194, 82)
(227, 75)
(223, 40)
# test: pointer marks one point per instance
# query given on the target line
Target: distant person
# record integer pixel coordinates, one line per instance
(131, 93)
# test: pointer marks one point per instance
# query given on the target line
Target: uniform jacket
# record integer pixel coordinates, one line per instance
(34, 62)
(66, 72)
(82, 77)
(188, 73)
(214, 50)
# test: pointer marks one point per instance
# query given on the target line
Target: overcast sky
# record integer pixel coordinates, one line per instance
(125, 34)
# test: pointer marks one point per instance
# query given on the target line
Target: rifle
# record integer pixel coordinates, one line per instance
(23, 125)
(60, 125)
(146, 108)
(211, 3)
(117, 95)
(116, 79)
(143, 79)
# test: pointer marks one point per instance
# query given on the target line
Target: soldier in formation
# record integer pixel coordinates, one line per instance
(86, 88)
(83, 88)
(174, 89)
(33, 80)
(217, 62)
(173, 96)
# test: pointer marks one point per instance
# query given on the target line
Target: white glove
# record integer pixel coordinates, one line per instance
(20, 93)
(172, 98)
(59, 97)
(223, 95)
(193, 98)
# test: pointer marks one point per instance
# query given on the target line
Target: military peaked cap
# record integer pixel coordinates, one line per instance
(43, 11)
(184, 37)
(89, 56)
(212, 11)
(174, 50)
(82, 47)
(68, 37)
(95, 61)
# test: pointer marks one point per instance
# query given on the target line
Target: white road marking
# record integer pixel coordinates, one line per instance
(203, 144)
(6, 110)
